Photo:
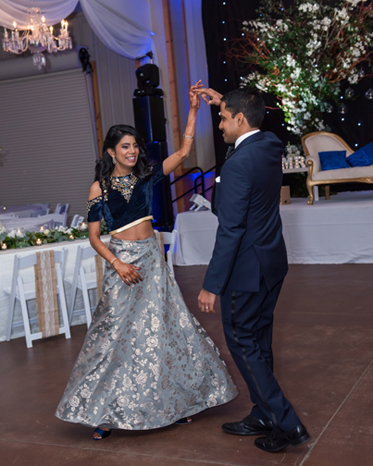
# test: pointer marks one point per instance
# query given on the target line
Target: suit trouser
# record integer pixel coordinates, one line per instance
(248, 322)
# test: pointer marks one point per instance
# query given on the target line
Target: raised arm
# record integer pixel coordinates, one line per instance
(176, 159)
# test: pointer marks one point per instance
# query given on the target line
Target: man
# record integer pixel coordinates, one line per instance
(249, 264)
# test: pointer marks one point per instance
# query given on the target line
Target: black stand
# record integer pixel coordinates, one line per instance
(150, 122)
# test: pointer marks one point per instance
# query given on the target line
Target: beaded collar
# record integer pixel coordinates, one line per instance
(124, 184)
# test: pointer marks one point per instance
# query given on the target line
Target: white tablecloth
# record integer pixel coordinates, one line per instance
(337, 231)
(29, 224)
(195, 237)
(6, 270)
(20, 211)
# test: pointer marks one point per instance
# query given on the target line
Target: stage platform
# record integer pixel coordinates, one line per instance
(338, 231)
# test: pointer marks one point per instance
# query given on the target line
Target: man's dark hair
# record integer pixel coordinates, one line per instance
(248, 101)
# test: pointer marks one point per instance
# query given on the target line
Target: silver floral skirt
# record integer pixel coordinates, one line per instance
(146, 361)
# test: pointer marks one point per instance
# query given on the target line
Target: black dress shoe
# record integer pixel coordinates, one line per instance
(277, 441)
(248, 426)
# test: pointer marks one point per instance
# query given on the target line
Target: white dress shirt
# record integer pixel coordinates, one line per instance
(244, 136)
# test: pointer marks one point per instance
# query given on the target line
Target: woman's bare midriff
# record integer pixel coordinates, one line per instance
(142, 231)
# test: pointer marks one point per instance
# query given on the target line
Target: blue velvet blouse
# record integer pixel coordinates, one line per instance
(129, 200)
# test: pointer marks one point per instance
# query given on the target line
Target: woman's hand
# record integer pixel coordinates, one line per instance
(127, 272)
(210, 96)
(194, 99)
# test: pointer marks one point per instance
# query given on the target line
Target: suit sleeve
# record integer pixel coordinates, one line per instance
(232, 214)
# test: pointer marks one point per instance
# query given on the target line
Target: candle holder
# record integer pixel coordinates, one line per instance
(38, 242)
(4, 247)
(71, 237)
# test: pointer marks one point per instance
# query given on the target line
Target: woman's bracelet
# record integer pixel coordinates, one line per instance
(187, 136)
(113, 260)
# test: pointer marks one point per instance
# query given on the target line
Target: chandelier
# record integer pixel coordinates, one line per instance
(37, 38)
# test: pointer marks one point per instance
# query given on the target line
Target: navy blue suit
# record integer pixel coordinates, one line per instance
(248, 266)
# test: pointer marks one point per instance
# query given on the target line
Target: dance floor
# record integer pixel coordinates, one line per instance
(323, 360)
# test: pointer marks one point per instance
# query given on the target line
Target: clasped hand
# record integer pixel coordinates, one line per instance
(206, 301)
(127, 272)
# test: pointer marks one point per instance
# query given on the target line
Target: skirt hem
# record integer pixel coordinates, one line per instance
(185, 414)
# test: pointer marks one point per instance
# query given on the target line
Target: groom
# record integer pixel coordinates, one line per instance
(249, 264)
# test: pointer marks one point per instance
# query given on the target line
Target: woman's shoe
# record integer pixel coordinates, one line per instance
(103, 433)
(184, 420)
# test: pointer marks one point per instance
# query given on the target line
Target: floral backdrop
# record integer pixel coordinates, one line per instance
(302, 54)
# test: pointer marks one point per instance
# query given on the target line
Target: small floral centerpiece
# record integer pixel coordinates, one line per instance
(303, 53)
(292, 150)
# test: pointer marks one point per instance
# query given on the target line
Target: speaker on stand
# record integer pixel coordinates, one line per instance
(150, 122)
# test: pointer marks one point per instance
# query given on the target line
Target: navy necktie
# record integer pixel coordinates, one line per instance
(229, 152)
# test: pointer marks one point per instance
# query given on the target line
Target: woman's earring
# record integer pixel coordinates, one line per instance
(114, 161)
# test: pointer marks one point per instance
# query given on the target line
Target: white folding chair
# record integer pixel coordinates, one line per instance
(58, 219)
(170, 239)
(77, 221)
(43, 206)
(39, 213)
(26, 291)
(82, 280)
(61, 208)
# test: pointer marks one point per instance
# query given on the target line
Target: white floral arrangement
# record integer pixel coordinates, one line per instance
(303, 53)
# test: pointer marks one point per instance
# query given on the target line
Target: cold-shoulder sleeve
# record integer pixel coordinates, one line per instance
(95, 209)
(157, 173)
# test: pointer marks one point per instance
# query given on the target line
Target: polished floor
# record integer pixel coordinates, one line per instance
(323, 346)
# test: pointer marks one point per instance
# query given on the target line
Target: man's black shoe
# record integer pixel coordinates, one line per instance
(277, 441)
(248, 426)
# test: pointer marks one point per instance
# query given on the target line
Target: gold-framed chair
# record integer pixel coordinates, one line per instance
(316, 142)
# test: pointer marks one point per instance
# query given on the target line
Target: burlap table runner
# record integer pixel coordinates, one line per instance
(46, 294)
(100, 272)
(159, 236)
(99, 275)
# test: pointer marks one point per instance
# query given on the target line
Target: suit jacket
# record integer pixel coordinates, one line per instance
(249, 238)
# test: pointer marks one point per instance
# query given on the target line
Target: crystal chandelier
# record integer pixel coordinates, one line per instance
(37, 38)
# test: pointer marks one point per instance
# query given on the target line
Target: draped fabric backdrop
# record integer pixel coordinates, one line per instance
(222, 22)
(122, 25)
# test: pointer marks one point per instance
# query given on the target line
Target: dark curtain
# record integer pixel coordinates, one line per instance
(223, 20)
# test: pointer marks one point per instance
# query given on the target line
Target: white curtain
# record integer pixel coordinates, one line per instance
(115, 22)
(16, 10)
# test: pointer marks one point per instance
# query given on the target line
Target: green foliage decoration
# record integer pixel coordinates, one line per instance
(302, 54)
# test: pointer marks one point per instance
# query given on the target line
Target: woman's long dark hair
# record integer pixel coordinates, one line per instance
(104, 167)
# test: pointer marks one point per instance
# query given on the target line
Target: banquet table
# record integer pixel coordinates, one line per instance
(338, 231)
(30, 224)
(6, 271)
(195, 237)
(21, 211)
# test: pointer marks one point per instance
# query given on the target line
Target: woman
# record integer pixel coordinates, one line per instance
(146, 362)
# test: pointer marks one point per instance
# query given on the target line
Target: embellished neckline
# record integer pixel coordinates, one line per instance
(124, 184)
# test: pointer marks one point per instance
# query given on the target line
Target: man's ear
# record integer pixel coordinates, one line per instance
(240, 118)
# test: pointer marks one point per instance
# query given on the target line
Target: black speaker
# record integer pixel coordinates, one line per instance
(162, 200)
(149, 116)
(147, 76)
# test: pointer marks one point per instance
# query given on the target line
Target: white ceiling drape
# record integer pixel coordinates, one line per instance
(115, 22)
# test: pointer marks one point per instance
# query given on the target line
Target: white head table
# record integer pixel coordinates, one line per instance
(6, 271)
(338, 231)
(21, 211)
